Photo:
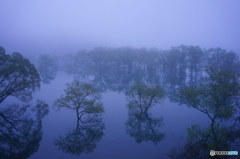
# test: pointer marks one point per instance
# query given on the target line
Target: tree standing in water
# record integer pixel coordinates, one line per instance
(82, 98)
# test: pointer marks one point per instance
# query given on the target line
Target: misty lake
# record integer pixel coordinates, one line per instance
(122, 103)
(116, 143)
(119, 79)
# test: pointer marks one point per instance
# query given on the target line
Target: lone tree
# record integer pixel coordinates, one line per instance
(143, 97)
(18, 77)
(140, 124)
(82, 98)
(217, 96)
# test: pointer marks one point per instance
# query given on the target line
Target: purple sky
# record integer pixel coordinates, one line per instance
(53, 26)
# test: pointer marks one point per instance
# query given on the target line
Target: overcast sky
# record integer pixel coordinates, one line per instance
(65, 26)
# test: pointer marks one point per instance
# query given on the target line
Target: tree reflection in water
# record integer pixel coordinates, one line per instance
(204, 79)
(83, 139)
(20, 134)
(217, 96)
(140, 124)
(143, 127)
(84, 99)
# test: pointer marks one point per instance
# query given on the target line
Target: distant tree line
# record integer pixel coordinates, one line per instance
(116, 68)
(207, 80)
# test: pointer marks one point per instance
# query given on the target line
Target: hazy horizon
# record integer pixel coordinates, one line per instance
(65, 27)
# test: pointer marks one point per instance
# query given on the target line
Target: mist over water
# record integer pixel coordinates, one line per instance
(160, 67)
(66, 27)
(115, 143)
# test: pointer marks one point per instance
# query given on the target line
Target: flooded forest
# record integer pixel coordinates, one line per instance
(120, 103)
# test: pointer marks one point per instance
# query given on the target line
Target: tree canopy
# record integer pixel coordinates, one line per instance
(217, 96)
(84, 99)
(140, 124)
(18, 77)
(81, 97)
(143, 97)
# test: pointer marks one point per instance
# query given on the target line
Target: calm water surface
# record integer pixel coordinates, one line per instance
(116, 143)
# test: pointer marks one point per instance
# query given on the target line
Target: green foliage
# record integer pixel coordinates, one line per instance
(143, 96)
(190, 96)
(140, 124)
(85, 100)
(18, 77)
(80, 97)
(215, 95)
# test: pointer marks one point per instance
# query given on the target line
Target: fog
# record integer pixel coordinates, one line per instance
(68, 26)
(119, 79)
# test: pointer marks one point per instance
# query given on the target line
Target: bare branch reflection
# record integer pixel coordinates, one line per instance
(20, 133)
(83, 139)
(140, 124)
(84, 99)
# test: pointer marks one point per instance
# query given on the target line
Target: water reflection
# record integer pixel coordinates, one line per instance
(84, 99)
(217, 96)
(179, 68)
(20, 134)
(83, 139)
(143, 127)
(140, 124)
(201, 140)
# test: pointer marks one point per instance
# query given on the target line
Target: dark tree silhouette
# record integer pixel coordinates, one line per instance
(84, 99)
(143, 97)
(143, 127)
(217, 96)
(20, 133)
(140, 124)
(18, 77)
(83, 139)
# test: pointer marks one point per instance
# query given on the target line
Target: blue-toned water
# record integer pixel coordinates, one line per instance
(116, 143)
